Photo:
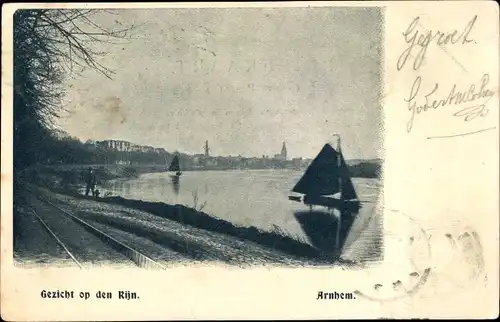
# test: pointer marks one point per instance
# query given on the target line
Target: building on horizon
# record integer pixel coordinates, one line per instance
(125, 146)
(198, 159)
(117, 145)
(283, 155)
(206, 149)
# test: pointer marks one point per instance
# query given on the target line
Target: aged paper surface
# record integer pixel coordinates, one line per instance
(232, 112)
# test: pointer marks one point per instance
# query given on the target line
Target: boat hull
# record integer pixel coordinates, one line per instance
(351, 205)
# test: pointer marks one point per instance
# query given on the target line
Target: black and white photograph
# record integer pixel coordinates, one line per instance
(159, 137)
(249, 160)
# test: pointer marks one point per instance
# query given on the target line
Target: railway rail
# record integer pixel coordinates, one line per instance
(137, 257)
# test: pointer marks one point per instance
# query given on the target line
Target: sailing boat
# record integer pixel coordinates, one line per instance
(175, 166)
(327, 182)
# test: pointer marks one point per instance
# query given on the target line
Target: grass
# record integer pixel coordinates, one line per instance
(276, 239)
(66, 182)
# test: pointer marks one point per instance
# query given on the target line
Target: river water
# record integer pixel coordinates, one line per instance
(260, 198)
(244, 197)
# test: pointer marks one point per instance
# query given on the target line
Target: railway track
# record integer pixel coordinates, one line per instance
(138, 258)
(58, 240)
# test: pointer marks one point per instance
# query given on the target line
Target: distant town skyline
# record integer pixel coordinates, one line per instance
(283, 151)
(297, 75)
(126, 146)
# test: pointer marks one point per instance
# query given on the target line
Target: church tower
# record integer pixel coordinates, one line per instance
(206, 149)
(283, 151)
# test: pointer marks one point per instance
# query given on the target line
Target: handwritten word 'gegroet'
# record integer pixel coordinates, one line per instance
(477, 96)
(416, 39)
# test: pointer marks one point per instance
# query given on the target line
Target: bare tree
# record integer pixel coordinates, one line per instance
(50, 44)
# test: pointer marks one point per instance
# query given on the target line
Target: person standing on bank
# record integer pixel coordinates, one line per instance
(91, 181)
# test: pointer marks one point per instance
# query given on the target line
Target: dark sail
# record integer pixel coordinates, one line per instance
(322, 175)
(174, 166)
(348, 191)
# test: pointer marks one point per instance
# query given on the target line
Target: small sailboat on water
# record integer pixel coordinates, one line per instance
(327, 183)
(175, 167)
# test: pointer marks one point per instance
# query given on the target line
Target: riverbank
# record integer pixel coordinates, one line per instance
(192, 234)
(187, 216)
(71, 173)
(315, 247)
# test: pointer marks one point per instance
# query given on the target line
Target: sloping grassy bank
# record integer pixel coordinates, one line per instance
(192, 217)
(67, 182)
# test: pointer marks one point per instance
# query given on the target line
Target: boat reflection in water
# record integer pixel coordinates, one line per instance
(176, 184)
(176, 177)
(327, 183)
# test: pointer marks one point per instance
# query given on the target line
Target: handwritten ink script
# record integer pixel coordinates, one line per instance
(471, 98)
(419, 42)
(475, 96)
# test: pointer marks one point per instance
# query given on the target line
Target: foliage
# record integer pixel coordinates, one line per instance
(49, 45)
(366, 170)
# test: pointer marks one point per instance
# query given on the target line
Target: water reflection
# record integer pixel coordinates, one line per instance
(244, 198)
(176, 184)
(321, 227)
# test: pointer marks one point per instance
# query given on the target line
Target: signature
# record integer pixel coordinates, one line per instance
(475, 96)
(420, 41)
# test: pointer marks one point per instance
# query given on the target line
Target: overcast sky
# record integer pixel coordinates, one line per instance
(244, 79)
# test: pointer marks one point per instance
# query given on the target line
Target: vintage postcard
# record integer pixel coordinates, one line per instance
(250, 160)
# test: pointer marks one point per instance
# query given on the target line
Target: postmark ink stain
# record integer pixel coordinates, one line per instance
(408, 293)
(418, 280)
(397, 284)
